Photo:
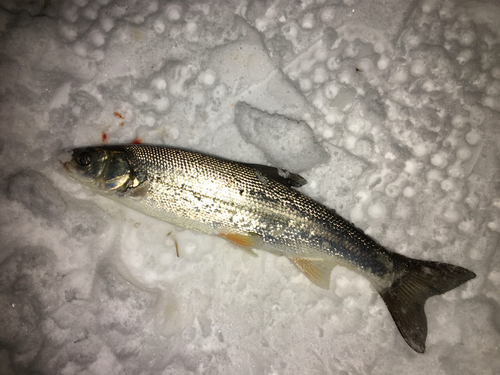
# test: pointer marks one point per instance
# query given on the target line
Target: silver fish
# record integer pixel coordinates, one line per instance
(255, 206)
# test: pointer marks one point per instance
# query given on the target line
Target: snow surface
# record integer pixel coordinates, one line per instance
(390, 109)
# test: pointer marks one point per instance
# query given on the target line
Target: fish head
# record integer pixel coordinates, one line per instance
(103, 169)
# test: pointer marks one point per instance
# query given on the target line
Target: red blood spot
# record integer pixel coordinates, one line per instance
(122, 123)
(136, 141)
(117, 115)
(104, 137)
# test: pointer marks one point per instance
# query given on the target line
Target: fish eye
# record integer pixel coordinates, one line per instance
(83, 159)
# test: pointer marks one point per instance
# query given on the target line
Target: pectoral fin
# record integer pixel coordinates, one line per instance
(136, 192)
(246, 241)
(316, 270)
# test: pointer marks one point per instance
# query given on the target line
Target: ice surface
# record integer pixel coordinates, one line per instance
(286, 143)
(390, 110)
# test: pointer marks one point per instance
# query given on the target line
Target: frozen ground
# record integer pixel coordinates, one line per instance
(390, 109)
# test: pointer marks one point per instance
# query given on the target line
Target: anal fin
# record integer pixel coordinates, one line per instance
(317, 270)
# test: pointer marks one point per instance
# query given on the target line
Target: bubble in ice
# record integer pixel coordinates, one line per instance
(191, 27)
(392, 190)
(494, 225)
(379, 48)
(318, 100)
(308, 21)
(411, 166)
(97, 38)
(465, 56)
(333, 116)
(350, 142)
(333, 63)
(328, 133)
(420, 150)
(439, 159)
(174, 12)
(70, 13)
(346, 76)
(159, 26)
(138, 19)
(290, 31)
(409, 192)
(383, 62)
(159, 83)
(464, 153)
(363, 196)
(207, 77)
(434, 175)
(80, 48)
(356, 213)
(327, 15)
(451, 215)
(456, 170)
(90, 13)
(467, 38)
(428, 6)
(428, 85)
(448, 185)
(377, 210)
(261, 24)
(106, 23)
(68, 31)
(418, 68)
(356, 125)
(491, 102)
(305, 84)
(152, 6)
(493, 88)
(472, 137)
(319, 75)
(467, 226)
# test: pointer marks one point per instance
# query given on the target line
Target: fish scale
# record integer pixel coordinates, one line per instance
(257, 206)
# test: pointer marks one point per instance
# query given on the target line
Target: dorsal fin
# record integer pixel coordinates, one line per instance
(280, 175)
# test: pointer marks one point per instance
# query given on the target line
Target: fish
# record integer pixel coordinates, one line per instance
(255, 206)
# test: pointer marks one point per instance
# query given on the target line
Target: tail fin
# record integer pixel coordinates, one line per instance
(406, 297)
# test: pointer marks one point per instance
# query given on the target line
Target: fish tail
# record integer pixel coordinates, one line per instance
(406, 297)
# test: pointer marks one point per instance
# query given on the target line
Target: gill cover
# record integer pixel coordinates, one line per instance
(106, 169)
